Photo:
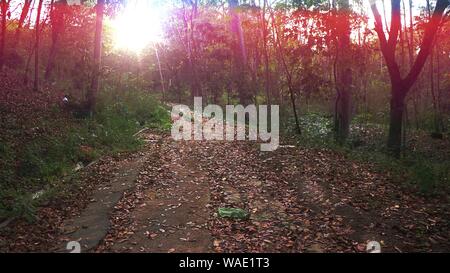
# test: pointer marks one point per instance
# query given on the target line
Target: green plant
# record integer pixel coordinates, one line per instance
(429, 176)
(134, 106)
(17, 204)
(316, 129)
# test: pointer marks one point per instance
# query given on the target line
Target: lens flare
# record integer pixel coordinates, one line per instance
(138, 25)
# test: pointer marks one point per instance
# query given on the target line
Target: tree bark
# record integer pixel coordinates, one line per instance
(57, 20)
(344, 74)
(396, 118)
(189, 28)
(240, 55)
(93, 90)
(161, 75)
(36, 46)
(266, 54)
(282, 60)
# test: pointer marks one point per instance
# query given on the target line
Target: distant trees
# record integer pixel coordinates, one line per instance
(300, 42)
(308, 56)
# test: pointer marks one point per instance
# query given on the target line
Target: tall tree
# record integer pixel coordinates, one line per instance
(400, 85)
(36, 46)
(279, 47)
(265, 33)
(57, 11)
(343, 76)
(93, 90)
(240, 54)
(161, 75)
(190, 12)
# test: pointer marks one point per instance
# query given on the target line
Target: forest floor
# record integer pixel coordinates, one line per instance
(166, 197)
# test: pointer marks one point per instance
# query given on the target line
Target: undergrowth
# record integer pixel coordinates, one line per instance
(422, 165)
(36, 153)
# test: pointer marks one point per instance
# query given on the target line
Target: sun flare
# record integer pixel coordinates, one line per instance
(137, 26)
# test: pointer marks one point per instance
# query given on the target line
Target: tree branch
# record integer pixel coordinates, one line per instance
(395, 24)
(379, 26)
(387, 50)
(427, 42)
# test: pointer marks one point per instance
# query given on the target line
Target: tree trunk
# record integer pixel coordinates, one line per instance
(57, 21)
(343, 75)
(266, 54)
(4, 5)
(23, 16)
(396, 119)
(240, 55)
(432, 89)
(281, 55)
(36, 47)
(189, 29)
(161, 75)
(93, 90)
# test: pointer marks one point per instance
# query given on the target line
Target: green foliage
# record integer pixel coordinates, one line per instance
(44, 159)
(308, 3)
(137, 106)
(316, 125)
(316, 129)
(429, 176)
(17, 204)
(363, 118)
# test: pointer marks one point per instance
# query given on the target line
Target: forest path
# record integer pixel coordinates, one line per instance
(172, 213)
(299, 200)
